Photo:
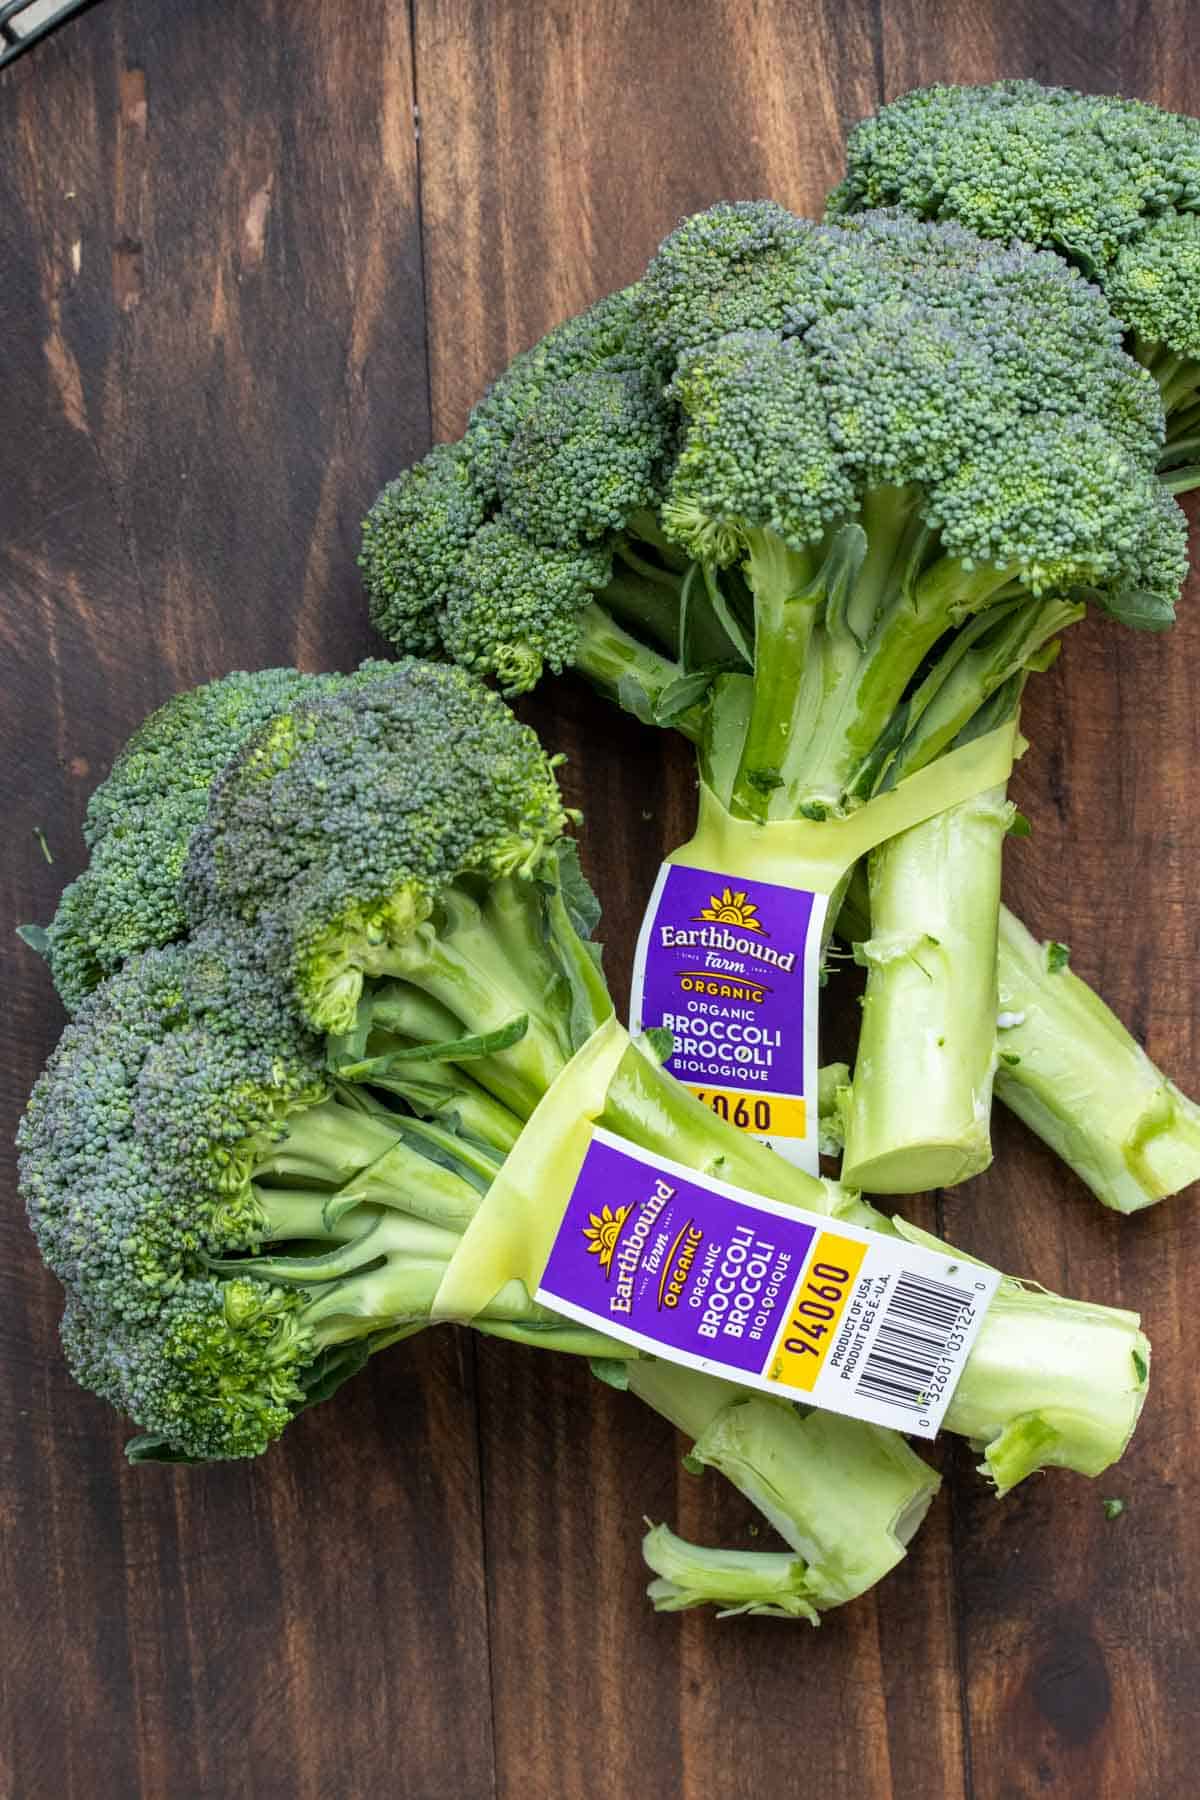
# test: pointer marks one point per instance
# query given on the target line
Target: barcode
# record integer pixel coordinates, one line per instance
(911, 1342)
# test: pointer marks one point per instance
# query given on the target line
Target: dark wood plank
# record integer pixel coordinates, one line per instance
(1079, 1658)
(559, 144)
(209, 255)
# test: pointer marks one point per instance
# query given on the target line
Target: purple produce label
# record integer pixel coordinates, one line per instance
(730, 968)
(772, 1297)
(683, 1265)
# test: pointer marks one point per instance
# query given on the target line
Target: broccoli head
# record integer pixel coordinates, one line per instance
(403, 830)
(140, 819)
(866, 433)
(1111, 184)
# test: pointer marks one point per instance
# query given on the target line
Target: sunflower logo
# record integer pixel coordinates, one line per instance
(729, 908)
(602, 1233)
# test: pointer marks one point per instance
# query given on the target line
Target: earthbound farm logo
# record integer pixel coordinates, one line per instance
(725, 910)
(622, 1251)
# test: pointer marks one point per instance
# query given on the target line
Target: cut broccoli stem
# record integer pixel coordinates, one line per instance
(759, 1583)
(920, 1102)
(1069, 1069)
(920, 1107)
(1050, 1383)
(1026, 1338)
(799, 1471)
(1085, 1086)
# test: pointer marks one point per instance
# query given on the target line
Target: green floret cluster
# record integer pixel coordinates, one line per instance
(1113, 185)
(236, 1222)
(419, 529)
(335, 832)
(176, 1074)
(141, 818)
(935, 423)
(545, 591)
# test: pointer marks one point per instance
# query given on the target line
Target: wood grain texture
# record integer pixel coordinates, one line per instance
(209, 254)
(235, 295)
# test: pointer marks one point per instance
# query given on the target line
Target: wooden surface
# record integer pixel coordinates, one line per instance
(237, 290)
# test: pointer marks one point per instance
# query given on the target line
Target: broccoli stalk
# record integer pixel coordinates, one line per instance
(1076, 1076)
(779, 1458)
(929, 1009)
(930, 1001)
(1063, 1061)
(1106, 182)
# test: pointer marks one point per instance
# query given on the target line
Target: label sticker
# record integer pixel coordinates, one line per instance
(731, 968)
(811, 1308)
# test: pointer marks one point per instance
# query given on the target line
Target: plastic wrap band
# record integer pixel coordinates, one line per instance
(816, 853)
(511, 1235)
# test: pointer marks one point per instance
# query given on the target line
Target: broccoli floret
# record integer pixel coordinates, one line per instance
(736, 267)
(139, 821)
(586, 458)
(1108, 183)
(608, 337)
(356, 832)
(413, 539)
(176, 1075)
(514, 609)
(1156, 280)
(757, 456)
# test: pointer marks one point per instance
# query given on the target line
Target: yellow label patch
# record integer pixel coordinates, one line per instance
(766, 1115)
(815, 1311)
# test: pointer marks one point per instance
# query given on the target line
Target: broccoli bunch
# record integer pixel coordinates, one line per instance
(821, 497)
(252, 1156)
(1113, 185)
